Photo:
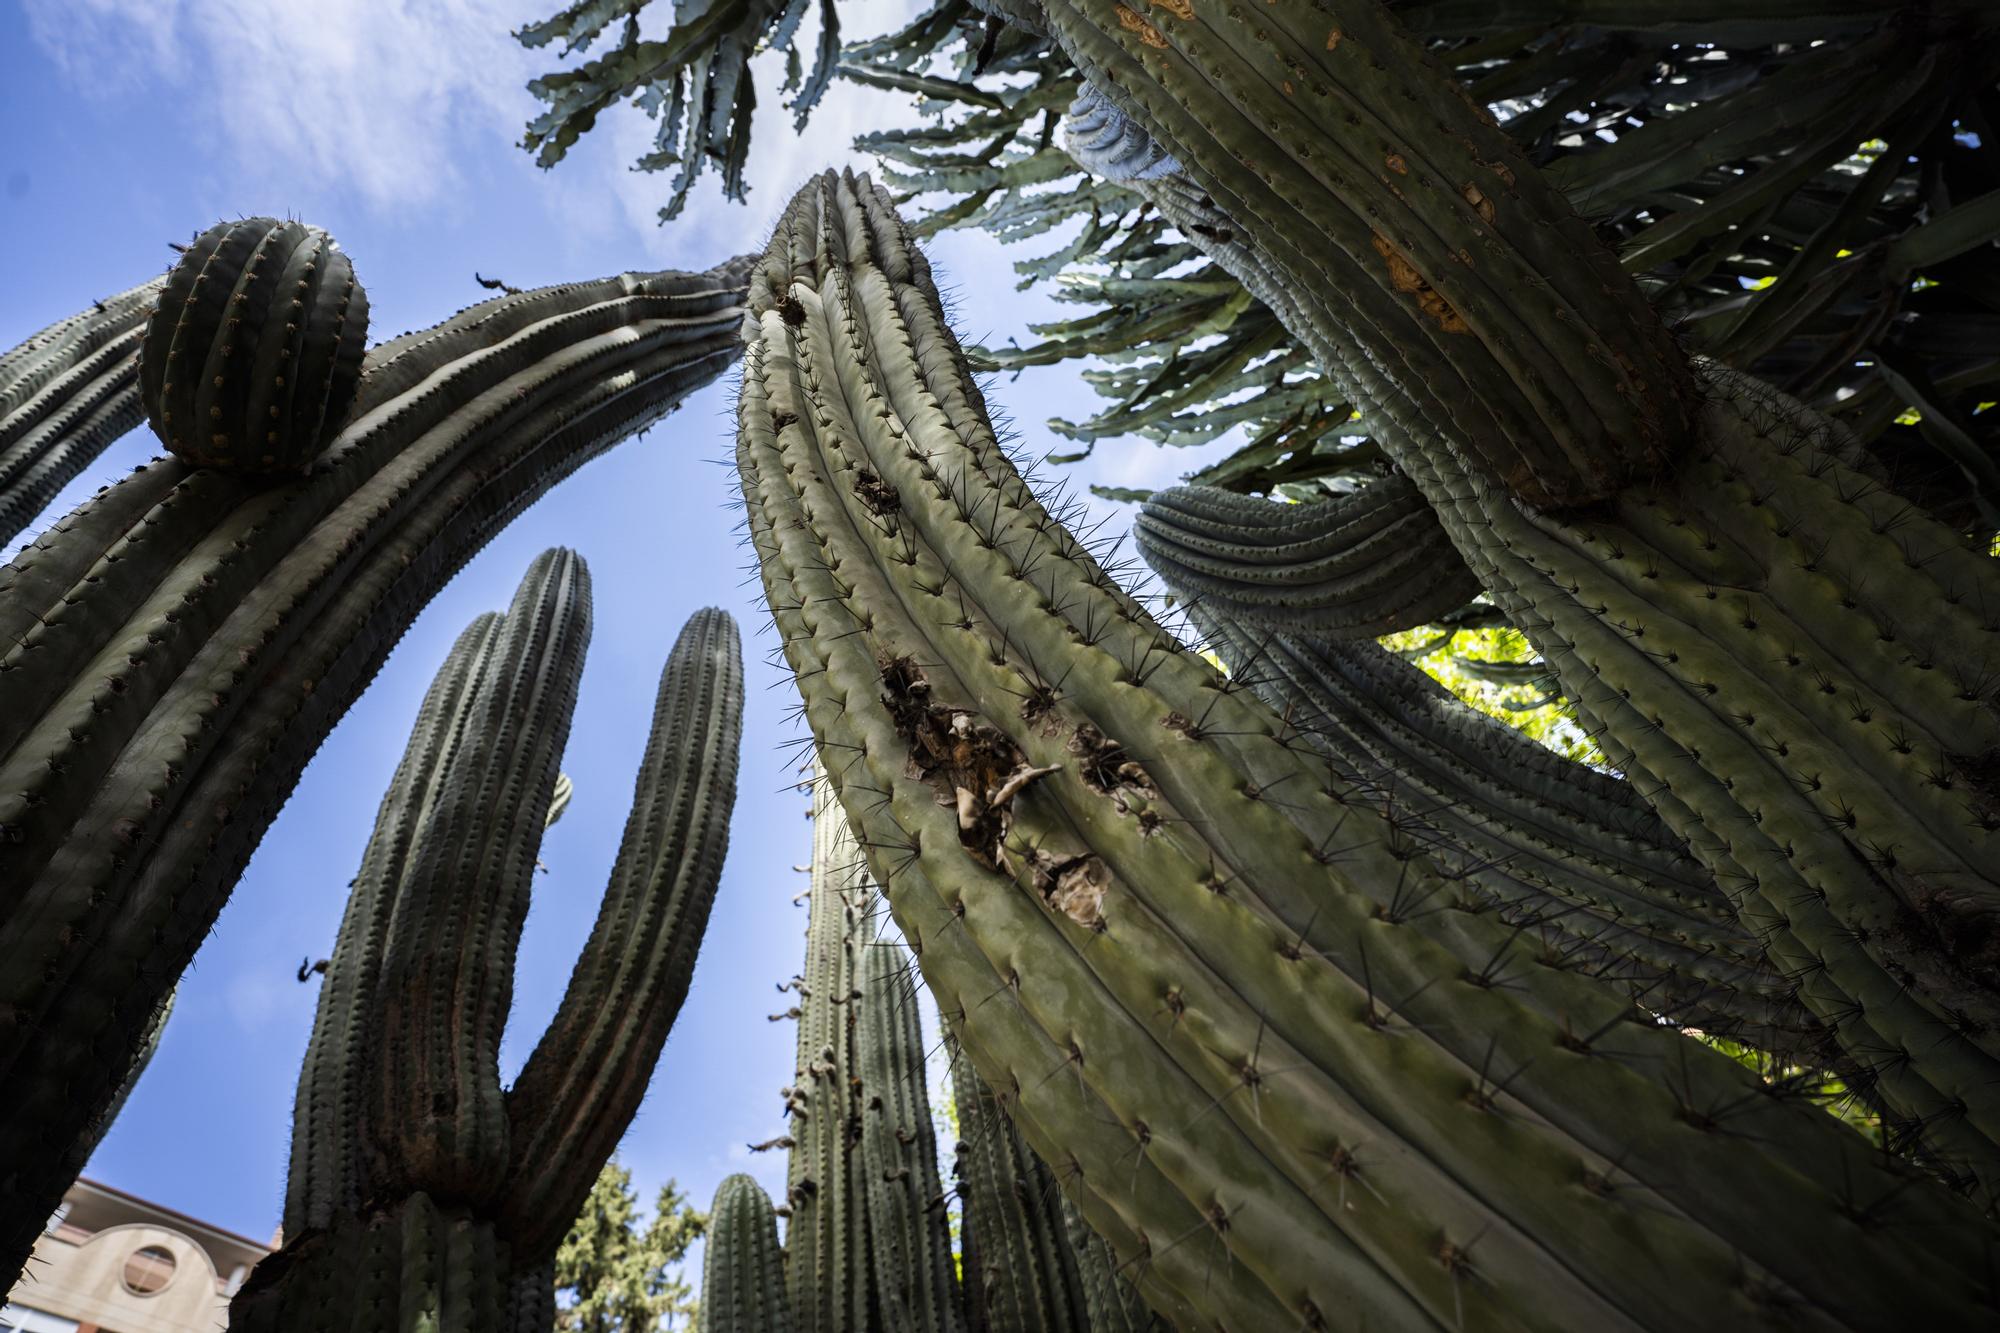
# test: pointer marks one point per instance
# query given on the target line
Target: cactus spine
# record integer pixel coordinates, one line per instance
(1234, 1023)
(404, 1137)
(65, 394)
(174, 651)
(743, 1268)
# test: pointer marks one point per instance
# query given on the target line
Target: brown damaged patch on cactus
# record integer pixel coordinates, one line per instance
(973, 767)
(1481, 202)
(1180, 9)
(878, 495)
(791, 310)
(1075, 887)
(1104, 766)
(1403, 276)
(1132, 21)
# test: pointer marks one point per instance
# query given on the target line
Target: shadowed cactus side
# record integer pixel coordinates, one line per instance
(743, 1268)
(65, 394)
(253, 351)
(420, 1190)
(175, 650)
(1240, 1027)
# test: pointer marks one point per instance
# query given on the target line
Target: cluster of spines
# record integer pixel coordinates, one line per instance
(65, 394)
(233, 624)
(1403, 1115)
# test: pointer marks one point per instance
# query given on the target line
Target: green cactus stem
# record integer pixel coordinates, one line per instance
(400, 1106)
(1026, 1273)
(65, 395)
(1113, 1304)
(1264, 1050)
(174, 651)
(743, 1268)
(1797, 666)
(252, 354)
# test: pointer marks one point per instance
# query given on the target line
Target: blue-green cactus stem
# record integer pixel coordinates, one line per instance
(65, 395)
(743, 1268)
(174, 651)
(1264, 1047)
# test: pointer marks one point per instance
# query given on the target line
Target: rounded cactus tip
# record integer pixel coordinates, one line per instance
(253, 352)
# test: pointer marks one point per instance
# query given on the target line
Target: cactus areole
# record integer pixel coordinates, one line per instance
(252, 356)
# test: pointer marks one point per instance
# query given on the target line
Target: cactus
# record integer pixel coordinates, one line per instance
(868, 1245)
(1259, 1051)
(1574, 856)
(404, 1134)
(743, 1268)
(65, 394)
(173, 652)
(251, 357)
(1022, 1273)
(1837, 791)
(1113, 1305)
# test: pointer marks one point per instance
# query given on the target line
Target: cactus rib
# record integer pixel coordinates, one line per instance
(743, 1269)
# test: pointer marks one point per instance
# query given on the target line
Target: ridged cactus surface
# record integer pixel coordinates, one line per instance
(1248, 1033)
(400, 1104)
(1800, 668)
(253, 352)
(743, 1268)
(1108, 1293)
(65, 394)
(175, 650)
(1027, 1278)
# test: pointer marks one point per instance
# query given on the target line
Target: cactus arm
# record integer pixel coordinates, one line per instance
(583, 1082)
(1162, 1012)
(65, 394)
(1029, 1275)
(743, 1269)
(212, 632)
(328, 1168)
(908, 1243)
(445, 984)
(1356, 566)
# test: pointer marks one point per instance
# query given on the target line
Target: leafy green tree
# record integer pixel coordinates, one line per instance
(614, 1275)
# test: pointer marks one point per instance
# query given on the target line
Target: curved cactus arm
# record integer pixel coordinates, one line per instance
(586, 1076)
(909, 1245)
(1215, 985)
(148, 1047)
(174, 651)
(438, 1119)
(743, 1269)
(1028, 1278)
(65, 394)
(1356, 566)
(827, 1270)
(327, 1176)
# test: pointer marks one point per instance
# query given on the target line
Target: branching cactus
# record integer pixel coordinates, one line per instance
(174, 651)
(743, 1268)
(1574, 856)
(417, 1183)
(1022, 1274)
(65, 395)
(1279, 1069)
(1800, 668)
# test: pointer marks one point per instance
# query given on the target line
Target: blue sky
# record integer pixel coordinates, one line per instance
(393, 123)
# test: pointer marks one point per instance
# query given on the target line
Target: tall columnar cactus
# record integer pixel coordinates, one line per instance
(252, 355)
(175, 650)
(743, 1268)
(1108, 1295)
(65, 394)
(405, 1142)
(827, 1267)
(868, 1246)
(1240, 1022)
(1576, 856)
(1022, 1274)
(1799, 667)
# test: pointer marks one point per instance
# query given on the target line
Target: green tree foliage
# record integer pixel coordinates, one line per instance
(618, 1273)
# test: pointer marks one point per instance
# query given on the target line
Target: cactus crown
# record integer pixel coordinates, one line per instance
(253, 353)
